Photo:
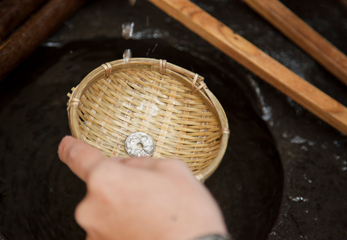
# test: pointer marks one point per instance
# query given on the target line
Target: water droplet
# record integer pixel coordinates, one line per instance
(344, 168)
(148, 52)
(137, 35)
(285, 135)
(127, 30)
(267, 113)
(298, 140)
(180, 48)
(155, 47)
(337, 157)
(298, 199)
(337, 144)
(310, 143)
(126, 55)
(324, 146)
(52, 44)
(304, 148)
(309, 181)
(132, 2)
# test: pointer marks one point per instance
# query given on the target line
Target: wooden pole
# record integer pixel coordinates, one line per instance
(30, 36)
(256, 61)
(303, 35)
(14, 12)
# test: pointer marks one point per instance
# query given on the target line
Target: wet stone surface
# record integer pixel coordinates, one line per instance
(38, 193)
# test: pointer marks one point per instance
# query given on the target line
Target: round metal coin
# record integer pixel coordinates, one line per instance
(139, 144)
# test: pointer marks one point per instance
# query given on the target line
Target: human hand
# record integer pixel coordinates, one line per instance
(139, 198)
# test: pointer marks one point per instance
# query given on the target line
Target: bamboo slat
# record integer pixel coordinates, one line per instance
(171, 104)
(256, 61)
(303, 35)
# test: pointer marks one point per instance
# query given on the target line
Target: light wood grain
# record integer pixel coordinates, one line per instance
(257, 61)
(303, 35)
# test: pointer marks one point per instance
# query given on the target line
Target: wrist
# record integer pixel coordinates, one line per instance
(214, 237)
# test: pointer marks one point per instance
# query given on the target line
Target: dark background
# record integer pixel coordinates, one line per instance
(284, 175)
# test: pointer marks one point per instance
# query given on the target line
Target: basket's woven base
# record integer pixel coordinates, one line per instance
(141, 100)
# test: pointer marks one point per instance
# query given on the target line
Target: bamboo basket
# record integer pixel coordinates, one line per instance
(169, 103)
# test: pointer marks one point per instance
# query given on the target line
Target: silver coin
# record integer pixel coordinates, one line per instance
(139, 144)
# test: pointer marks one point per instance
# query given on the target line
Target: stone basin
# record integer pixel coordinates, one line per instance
(284, 172)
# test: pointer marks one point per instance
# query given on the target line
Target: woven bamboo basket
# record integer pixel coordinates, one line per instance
(169, 103)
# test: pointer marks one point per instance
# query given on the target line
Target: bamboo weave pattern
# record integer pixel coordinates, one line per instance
(142, 100)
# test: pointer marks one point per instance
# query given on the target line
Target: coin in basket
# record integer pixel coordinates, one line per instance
(139, 144)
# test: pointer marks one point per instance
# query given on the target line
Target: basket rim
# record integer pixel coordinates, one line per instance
(156, 65)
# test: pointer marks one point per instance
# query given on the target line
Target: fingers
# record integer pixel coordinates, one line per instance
(155, 164)
(83, 214)
(92, 236)
(79, 156)
(140, 162)
(89, 238)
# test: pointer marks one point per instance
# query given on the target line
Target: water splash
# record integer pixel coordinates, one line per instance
(304, 148)
(51, 44)
(126, 55)
(127, 30)
(267, 113)
(298, 199)
(306, 178)
(155, 47)
(298, 140)
(148, 52)
(150, 34)
(344, 167)
(2, 237)
(266, 110)
(285, 135)
(336, 143)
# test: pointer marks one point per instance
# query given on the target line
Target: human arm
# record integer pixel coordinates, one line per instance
(139, 198)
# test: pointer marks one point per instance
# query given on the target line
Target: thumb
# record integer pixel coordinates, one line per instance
(79, 156)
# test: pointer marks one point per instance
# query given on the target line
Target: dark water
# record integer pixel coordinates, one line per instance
(39, 193)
